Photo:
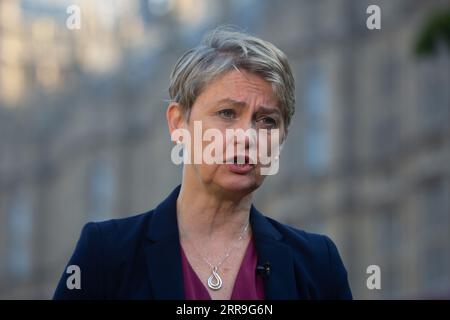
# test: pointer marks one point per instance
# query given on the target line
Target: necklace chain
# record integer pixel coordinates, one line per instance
(214, 281)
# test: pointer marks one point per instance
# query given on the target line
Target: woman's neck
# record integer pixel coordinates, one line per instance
(205, 214)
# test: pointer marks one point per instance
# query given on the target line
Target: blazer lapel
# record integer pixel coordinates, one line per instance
(281, 282)
(163, 252)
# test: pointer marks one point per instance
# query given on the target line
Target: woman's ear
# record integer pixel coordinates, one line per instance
(175, 117)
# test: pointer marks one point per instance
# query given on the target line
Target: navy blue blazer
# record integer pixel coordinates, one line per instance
(139, 258)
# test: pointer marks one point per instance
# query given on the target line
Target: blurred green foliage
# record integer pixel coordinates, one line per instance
(435, 30)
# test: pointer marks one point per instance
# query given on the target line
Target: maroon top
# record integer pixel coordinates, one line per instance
(247, 285)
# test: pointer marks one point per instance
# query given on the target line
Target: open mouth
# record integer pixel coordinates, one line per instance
(240, 168)
(244, 161)
(241, 160)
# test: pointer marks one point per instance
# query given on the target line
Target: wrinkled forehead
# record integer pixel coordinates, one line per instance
(239, 88)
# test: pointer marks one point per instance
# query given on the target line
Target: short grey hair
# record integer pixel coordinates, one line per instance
(224, 49)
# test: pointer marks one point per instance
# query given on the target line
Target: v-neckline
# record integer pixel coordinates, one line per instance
(199, 281)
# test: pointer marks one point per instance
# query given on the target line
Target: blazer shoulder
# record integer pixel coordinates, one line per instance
(293, 234)
(319, 256)
(123, 229)
(102, 250)
(120, 238)
(315, 246)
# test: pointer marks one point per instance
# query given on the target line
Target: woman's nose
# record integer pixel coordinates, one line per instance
(246, 133)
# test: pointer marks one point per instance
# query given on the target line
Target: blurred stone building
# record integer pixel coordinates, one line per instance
(83, 134)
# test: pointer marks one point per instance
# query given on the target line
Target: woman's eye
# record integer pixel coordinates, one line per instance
(227, 113)
(268, 121)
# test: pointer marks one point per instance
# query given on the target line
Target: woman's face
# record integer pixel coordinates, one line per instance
(236, 100)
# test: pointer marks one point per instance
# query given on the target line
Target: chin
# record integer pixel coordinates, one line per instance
(236, 183)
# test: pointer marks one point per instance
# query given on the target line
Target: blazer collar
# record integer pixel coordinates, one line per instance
(281, 281)
(163, 254)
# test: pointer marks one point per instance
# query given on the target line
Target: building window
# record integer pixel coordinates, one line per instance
(317, 135)
(20, 229)
(385, 118)
(245, 13)
(434, 237)
(102, 190)
(433, 98)
(390, 241)
(156, 7)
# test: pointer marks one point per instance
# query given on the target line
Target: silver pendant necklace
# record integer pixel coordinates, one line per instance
(214, 280)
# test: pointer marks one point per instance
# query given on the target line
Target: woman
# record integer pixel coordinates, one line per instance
(206, 240)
